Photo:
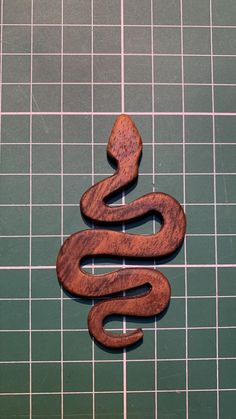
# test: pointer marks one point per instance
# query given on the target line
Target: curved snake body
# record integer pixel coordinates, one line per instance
(125, 147)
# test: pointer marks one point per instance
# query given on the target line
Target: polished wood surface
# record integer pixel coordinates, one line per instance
(125, 147)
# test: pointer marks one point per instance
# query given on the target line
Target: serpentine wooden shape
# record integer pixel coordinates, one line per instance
(125, 146)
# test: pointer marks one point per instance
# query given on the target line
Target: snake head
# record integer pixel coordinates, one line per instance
(125, 144)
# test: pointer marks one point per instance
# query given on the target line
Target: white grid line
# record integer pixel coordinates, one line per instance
(215, 214)
(30, 213)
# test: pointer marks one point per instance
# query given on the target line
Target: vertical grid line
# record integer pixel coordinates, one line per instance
(215, 214)
(123, 200)
(184, 205)
(30, 212)
(153, 190)
(93, 180)
(62, 202)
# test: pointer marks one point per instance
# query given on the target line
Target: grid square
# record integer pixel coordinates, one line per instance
(225, 98)
(166, 40)
(78, 404)
(166, 12)
(198, 99)
(74, 187)
(14, 190)
(16, 69)
(224, 42)
(174, 316)
(14, 346)
(227, 284)
(12, 404)
(16, 378)
(196, 13)
(146, 350)
(76, 68)
(137, 12)
(46, 69)
(76, 98)
(45, 250)
(170, 184)
(199, 158)
(224, 70)
(46, 97)
(165, 347)
(227, 373)
(137, 69)
(225, 188)
(227, 248)
(197, 69)
(45, 314)
(73, 220)
(16, 39)
(203, 405)
(46, 128)
(171, 404)
(112, 15)
(226, 223)
(113, 374)
(46, 377)
(227, 342)
(47, 39)
(107, 98)
(200, 219)
(200, 250)
(9, 320)
(75, 313)
(202, 343)
(15, 159)
(45, 405)
(168, 128)
(138, 98)
(77, 11)
(167, 69)
(46, 220)
(47, 11)
(16, 286)
(227, 399)
(226, 311)
(106, 39)
(171, 375)
(46, 158)
(15, 98)
(77, 128)
(168, 99)
(106, 69)
(77, 159)
(77, 39)
(137, 39)
(140, 406)
(14, 221)
(202, 374)
(201, 281)
(46, 346)
(109, 404)
(225, 158)
(46, 189)
(224, 14)
(196, 40)
(15, 128)
(225, 127)
(135, 370)
(169, 159)
(198, 128)
(15, 251)
(45, 284)
(201, 312)
(77, 346)
(199, 189)
(16, 11)
(77, 377)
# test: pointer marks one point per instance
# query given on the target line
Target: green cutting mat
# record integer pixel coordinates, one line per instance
(68, 68)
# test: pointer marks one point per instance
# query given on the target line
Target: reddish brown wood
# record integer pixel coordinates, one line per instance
(125, 147)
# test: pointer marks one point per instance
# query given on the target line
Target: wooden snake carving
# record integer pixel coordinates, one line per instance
(125, 146)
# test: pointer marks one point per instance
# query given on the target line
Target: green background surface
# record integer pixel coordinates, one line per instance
(69, 67)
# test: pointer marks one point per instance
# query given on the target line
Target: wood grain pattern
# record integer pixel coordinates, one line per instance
(125, 146)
